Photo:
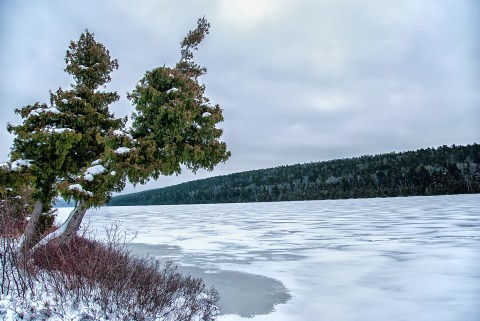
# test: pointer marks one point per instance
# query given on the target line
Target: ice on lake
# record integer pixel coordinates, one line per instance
(415, 258)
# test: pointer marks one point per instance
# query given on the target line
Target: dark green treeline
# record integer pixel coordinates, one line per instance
(444, 170)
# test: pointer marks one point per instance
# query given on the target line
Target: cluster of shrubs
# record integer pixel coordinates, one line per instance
(13, 213)
(102, 279)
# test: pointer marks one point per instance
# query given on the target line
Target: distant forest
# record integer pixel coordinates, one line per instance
(431, 171)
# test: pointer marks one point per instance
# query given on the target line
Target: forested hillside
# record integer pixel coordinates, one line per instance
(444, 170)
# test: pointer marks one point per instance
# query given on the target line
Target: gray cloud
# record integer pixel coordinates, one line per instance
(299, 81)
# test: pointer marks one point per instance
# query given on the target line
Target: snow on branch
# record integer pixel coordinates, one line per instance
(20, 163)
(122, 133)
(172, 90)
(95, 170)
(55, 130)
(39, 111)
(79, 188)
(92, 171)
(122, 150)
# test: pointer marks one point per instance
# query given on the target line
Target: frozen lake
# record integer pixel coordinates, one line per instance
(394, 259)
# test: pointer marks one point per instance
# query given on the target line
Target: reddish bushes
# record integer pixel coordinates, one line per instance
(12, 217)
(124, 286)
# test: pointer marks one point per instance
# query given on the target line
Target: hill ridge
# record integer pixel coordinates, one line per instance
(431, 171)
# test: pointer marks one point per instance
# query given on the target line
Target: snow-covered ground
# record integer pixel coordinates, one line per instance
(415, 258)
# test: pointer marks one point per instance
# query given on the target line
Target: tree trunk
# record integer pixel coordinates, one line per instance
(72, 224)
(69, 228)
(28, 239)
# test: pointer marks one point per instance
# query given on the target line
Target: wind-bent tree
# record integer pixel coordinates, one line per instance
(174, 124)
(77, 148)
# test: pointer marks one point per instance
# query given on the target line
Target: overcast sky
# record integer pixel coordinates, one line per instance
(299, 81)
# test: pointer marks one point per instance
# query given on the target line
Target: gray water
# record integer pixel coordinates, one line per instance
(244, 294)
(415, 258)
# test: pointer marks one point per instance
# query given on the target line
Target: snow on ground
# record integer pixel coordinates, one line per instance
(415, 258)
(44, 308)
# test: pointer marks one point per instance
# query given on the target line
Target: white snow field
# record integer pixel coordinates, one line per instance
(395, 259)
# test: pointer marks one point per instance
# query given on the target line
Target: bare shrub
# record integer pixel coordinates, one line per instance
(17, 279)
(12, 217)
(17, 275)
(124, 286)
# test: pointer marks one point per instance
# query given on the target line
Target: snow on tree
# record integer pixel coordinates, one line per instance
(174, 123)
(76, 147)
(61, 140)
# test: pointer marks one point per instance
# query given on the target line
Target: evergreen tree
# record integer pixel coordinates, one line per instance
(59, 142)
(174, 123)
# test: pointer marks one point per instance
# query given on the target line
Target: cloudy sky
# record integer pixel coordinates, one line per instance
(299, 81)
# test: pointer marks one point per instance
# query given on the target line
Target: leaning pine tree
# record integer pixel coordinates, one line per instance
(174, 123)
(76, 147)
(59, 142)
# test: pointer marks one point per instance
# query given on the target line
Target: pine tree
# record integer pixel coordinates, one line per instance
(174, 123)
(59, 142)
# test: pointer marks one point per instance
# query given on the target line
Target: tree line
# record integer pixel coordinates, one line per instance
(431, 171)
